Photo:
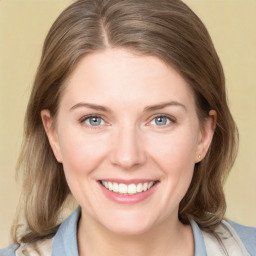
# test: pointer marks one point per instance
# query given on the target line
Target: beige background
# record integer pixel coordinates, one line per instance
(232, 24)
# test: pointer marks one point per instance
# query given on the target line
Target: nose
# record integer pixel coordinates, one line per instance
(128, 149)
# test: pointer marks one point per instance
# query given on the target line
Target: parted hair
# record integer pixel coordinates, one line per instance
(167, 29)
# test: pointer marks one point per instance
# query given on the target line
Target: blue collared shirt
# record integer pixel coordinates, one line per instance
(65, 240)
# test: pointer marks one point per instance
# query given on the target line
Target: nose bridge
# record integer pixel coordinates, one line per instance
(128, 149)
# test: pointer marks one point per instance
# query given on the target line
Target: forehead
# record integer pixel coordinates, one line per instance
(121, 77)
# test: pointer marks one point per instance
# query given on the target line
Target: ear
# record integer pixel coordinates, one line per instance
(206, 135)
(52, 135)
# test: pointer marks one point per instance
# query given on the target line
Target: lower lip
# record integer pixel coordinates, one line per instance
(128, 199)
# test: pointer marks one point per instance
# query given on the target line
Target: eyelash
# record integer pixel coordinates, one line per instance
(170, 118)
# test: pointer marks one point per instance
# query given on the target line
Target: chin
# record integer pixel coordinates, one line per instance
(129, 225)
(129, 229)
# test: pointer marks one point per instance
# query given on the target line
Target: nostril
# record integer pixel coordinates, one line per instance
(128, 160)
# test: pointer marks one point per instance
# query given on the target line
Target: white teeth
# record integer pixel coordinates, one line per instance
(123, 188)
(150, 184)
(145, 186)
(115, 187)
(139, 188)
(130, 189)
(110, 186)
(105, 184)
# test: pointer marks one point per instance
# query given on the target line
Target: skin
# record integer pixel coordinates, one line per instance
(128, 144)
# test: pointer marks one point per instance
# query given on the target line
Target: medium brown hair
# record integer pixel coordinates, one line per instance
(167, 29)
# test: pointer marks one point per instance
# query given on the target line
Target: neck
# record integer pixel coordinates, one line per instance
(166, 239)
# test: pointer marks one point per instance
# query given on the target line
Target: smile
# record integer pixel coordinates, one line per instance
(127, 189)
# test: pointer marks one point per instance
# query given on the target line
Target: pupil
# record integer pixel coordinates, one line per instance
(161, 120)
(95, 121)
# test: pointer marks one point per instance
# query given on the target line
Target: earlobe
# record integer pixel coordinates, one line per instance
(51, 133)
(206, 135)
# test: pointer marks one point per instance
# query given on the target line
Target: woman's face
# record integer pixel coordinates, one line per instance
(128, 136)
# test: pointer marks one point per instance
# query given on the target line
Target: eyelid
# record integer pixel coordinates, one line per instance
(83, 118)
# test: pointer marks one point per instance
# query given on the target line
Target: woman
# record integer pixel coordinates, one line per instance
(128, 113)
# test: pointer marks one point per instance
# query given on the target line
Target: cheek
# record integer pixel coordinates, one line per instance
(175, 158)
(81, 154)
(175, 152)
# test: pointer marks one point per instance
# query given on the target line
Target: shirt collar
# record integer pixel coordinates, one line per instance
(200, 249)
(65, 240)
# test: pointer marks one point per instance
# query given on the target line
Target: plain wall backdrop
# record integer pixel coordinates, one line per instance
(232, 25)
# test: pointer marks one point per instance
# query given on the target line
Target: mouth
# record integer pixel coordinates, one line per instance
(132, 188)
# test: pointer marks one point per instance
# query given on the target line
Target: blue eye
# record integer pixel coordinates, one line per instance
(161, 120)
(94, 121)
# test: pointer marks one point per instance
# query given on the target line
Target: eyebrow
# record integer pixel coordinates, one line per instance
(92, 106)
(146, 109)
(164, 105)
